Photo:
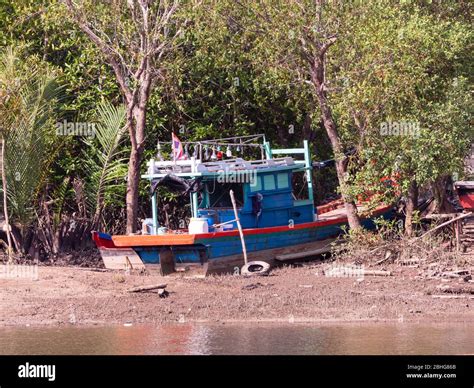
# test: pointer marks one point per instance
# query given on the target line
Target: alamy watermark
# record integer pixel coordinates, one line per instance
(17, 271)
(238, 177)
(345, 271)
(400, 128)
(68, 128)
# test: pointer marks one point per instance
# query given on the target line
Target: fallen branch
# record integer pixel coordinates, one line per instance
(367, 272)
(388, 255)
(455, 274)
(456, 290)
(94, 269)
(148, 288)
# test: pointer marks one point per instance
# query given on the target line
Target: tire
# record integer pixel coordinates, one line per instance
(255, 268)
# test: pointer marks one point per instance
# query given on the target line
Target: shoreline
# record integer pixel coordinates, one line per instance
(258, 322)
(295, 295)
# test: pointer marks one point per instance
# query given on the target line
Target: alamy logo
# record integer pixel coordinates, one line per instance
(238, 177)
(68, 128)
(345, 271)
(37, 371)
(12, 271)
(400, 128)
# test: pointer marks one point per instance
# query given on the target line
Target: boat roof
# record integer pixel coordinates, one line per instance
(193, 168)
(464, 184)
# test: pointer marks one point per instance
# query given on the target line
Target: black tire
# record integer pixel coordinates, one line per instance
(255, 268)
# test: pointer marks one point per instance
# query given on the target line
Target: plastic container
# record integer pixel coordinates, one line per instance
(198, 225)
(210, 223)
(147, 226)
(162, 230)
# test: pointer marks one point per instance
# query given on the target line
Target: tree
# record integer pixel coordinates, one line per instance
(133, 36)
(297, 35)
(30, 92)
(406, 105)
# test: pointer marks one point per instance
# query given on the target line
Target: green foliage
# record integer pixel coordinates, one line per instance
(238, 69)
(28, 123)
(105, 161)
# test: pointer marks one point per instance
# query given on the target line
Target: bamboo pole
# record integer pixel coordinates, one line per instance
(5, 208)
(242, 240)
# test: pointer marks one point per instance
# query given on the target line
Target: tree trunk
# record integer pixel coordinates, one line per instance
(317, 76)
(411, 207)
(132, 190)
(5, 202)
(349, 203)
(137, 121)
(439, 187)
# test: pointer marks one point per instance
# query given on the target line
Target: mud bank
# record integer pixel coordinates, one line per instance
(65, 295)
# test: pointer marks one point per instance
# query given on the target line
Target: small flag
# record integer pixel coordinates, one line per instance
(177, 148)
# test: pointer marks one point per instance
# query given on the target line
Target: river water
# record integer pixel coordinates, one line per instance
(252, 339)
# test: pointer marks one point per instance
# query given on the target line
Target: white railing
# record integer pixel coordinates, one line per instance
(197, 166)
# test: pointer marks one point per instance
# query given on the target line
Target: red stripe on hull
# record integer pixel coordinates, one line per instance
(275, 229)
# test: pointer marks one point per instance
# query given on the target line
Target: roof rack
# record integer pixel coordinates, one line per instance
(196, 166)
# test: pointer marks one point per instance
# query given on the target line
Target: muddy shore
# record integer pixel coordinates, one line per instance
(80, 296)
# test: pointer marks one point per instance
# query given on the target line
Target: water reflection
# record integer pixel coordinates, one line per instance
(241, 339)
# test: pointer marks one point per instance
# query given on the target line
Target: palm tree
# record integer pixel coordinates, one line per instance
(105, 161)
(28, 94)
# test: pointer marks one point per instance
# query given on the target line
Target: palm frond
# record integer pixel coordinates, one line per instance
(104, 160)
(29, 134)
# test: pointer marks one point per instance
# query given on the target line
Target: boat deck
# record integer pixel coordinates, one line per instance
(339, 212)
(332, 214)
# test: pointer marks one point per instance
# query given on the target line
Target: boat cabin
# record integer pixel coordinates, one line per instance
(262, 188)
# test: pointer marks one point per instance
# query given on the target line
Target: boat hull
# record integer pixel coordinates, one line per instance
(465, 191)
(222, 251)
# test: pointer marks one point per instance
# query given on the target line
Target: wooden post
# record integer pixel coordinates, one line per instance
(309, 170)
(457, 226)
(5, 204)
(154, 202)
(268, 149)
(154, 213)
(242, 240)
(195, 204)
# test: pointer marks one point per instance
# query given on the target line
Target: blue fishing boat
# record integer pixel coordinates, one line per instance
(276, 224)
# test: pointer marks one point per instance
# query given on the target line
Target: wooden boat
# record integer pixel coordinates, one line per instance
(465, 191)
(276, 226)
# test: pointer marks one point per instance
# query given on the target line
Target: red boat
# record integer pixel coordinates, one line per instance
(465, 191)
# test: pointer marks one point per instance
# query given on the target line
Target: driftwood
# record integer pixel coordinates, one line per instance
(94, 269)
(148, 288)
(410, 262)
(388, 256)
(455, 274)
(457, 290)
(367, 272)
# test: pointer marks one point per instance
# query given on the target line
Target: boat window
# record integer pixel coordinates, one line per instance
(269, 182)
(257, 185)
(219, 196)
(282, 180)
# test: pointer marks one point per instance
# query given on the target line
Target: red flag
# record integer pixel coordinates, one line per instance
(177, 147)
